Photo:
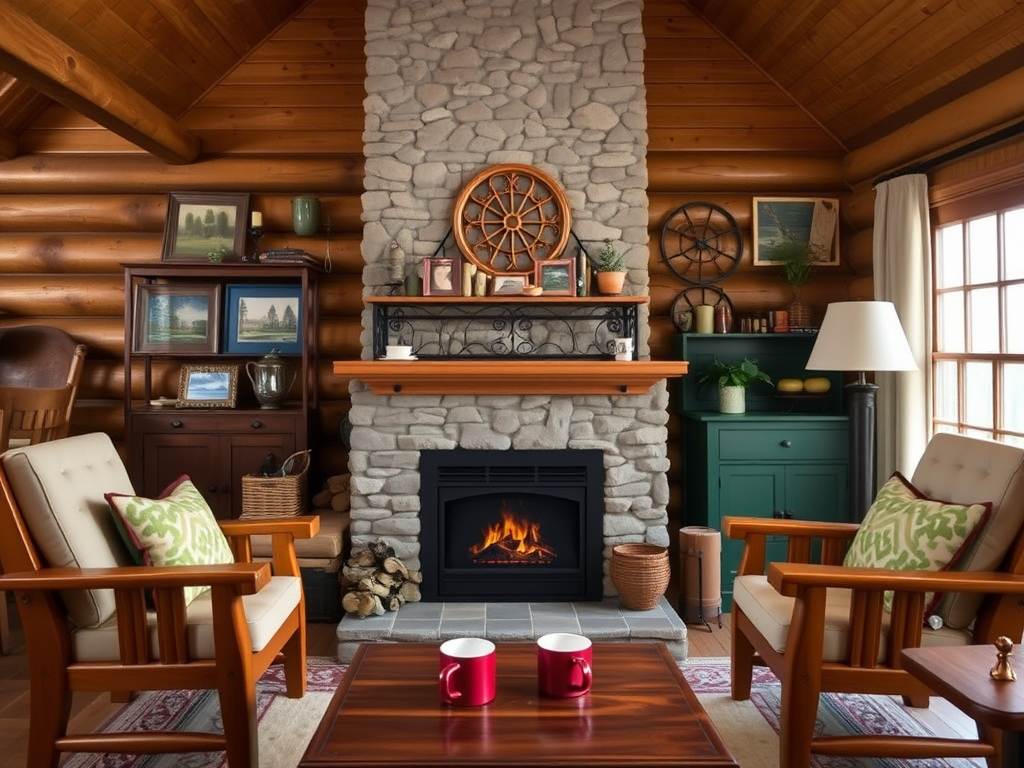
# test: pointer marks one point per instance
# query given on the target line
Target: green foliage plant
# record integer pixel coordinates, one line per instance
(797, 262)
(610, 259)
(741, 374)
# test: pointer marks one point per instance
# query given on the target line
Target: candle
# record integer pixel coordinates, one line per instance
(257, 219)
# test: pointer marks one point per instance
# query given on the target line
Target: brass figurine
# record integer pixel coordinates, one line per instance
(1003, 670)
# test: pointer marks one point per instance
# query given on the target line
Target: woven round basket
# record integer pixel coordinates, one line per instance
(640, 573)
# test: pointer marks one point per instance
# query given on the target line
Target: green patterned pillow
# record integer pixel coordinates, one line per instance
(176, 529)
(905, 531)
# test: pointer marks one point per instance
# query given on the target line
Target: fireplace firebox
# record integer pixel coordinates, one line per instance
(505, 526)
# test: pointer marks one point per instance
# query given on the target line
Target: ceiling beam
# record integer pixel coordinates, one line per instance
(29, 52)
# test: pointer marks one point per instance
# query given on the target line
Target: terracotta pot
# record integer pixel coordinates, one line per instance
(610, 283)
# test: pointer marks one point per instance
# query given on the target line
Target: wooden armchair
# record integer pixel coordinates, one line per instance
(824, 627)
(87, 623)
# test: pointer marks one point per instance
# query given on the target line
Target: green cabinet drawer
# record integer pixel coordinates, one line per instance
(783, 444)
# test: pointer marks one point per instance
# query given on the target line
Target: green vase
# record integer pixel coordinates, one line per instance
(305, 215)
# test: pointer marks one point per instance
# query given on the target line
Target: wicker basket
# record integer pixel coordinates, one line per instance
(640, 573)
(276, 496)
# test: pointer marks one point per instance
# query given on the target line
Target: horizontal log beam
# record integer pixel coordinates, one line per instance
(68, 76)
(8, 145)
(337, 174)
(980, 112)
(768, 172)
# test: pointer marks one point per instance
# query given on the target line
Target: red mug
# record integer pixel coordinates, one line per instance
(468, 672)
(564, 665)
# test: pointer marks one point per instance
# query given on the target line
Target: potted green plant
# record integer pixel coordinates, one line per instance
(611, 270)
(797, 264)
(732, 380)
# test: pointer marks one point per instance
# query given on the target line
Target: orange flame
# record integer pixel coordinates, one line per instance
(517, 537)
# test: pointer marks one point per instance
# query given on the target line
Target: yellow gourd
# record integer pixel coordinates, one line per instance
(790, 385)
(817, 385)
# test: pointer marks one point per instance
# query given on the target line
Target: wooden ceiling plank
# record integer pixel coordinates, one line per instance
(891, 83)
(8, 146)
(65, 75)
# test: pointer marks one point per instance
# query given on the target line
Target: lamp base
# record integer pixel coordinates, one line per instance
(860, 400)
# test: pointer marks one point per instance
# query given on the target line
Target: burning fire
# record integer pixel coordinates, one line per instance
(512, 541)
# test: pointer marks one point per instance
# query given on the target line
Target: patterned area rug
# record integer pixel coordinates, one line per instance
(751, 728)
(285, 725)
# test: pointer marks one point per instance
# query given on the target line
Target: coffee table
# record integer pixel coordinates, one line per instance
(639, 712)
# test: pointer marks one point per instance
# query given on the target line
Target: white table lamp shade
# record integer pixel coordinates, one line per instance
(861, 336)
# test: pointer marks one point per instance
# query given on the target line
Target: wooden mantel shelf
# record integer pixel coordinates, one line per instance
(510, 377)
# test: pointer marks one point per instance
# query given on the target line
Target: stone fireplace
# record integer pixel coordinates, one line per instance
(454, 86)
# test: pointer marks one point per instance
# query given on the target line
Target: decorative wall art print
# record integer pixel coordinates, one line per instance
(781, 222)
(556, 276)
(176, 318)
(442, 277)
(508, 285)
(207, 386)
(263, 318)
(201, 223)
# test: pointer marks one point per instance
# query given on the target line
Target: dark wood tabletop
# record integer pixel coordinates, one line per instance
(960, 674)
(639, 712)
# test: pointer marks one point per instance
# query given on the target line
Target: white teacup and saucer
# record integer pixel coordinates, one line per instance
(398, 352)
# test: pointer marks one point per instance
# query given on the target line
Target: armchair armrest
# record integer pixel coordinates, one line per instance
(788, 578)
(283, 532)
(754, 531)
(248, 577)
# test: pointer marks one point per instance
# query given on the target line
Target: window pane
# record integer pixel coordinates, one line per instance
(982, 255)
(984, 320)
(1013, 244)
(1012, 399)
(947, 394)
(949, 256)
(978, 394)
(950, 334)
(1013, 309)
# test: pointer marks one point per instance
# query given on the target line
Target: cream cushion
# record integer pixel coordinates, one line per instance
(964, 470)
(59, 486)
(265, 611)
(771, 613)
(326, 545)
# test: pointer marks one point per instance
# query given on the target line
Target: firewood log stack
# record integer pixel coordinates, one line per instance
(377, 581)
(334, 495)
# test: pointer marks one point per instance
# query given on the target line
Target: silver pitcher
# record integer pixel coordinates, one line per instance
(271, 378)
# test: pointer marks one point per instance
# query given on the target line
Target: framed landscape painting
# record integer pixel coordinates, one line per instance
(781, 223)
(176, 318)
(200, 223)
(263, 318)
(208, 386)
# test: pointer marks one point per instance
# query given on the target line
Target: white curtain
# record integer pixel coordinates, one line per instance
(903, 275)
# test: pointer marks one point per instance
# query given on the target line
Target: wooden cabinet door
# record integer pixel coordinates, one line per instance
(167, 456)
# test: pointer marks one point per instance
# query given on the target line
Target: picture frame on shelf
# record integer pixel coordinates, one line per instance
(782, 223)
(207, 386)
(442, 277)
(556, 276)
(176, 319)
(202, 223)
(508, 285)
(262, 318)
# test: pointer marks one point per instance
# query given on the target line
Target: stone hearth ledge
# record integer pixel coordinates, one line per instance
(606, 620)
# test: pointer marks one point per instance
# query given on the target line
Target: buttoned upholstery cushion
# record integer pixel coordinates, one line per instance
(904, 531)
(176, 529)
(59, 486)
(771, 613)
(963, 470)
(265, 611)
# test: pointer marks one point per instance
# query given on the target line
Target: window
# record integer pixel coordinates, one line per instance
(978, 362)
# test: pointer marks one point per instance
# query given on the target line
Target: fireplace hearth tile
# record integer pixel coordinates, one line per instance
(510, 622)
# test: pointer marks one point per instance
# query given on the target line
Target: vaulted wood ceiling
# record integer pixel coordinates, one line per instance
(861, 68)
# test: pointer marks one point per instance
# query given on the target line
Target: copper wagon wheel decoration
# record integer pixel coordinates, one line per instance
(701, 242)
(510, 217)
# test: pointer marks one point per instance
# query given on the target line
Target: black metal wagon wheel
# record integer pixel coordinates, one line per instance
(701, 243)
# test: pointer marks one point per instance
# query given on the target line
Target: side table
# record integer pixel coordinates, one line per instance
(960, 674)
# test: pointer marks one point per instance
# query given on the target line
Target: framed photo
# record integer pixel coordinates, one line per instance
(507, 285)
(200, 223)
(262, 318)
(783, 221)
(176, 318)
(442, 277)
(207, 386)
(556, 276)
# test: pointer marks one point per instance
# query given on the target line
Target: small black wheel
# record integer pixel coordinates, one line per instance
(682, 307)
(701, 243)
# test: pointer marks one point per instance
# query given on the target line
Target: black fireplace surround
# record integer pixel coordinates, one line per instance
(503, 526)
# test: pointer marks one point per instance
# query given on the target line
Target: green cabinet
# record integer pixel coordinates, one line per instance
(763, 465)
(784, 457)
